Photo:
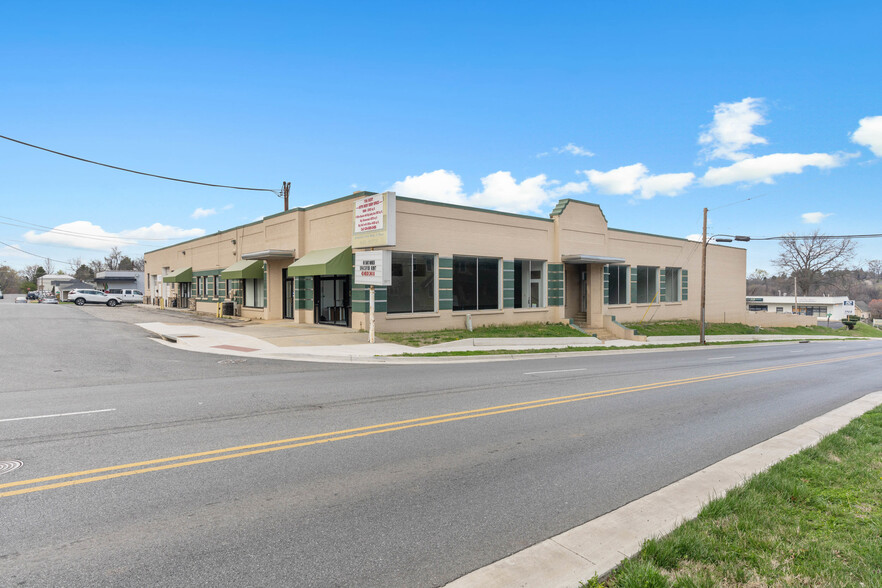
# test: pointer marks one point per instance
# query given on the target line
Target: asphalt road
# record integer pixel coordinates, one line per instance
(203, 470)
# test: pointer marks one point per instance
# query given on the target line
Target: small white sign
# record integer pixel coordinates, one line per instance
(848, 307)
(373, 268)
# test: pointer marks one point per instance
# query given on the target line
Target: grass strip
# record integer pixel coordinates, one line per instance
(420, 338)
(594, 348)
(672, 328)
(814, 519)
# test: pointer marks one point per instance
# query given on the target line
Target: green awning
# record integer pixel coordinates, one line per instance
(181, 275)
(323, 262)
(244, 270)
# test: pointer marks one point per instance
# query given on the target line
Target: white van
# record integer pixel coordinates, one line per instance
(127, 295)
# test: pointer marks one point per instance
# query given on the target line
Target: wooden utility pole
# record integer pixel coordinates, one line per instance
(703, 275)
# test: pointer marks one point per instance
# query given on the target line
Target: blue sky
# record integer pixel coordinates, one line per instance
(769, 114)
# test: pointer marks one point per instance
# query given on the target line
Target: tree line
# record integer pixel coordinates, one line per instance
(12, 280)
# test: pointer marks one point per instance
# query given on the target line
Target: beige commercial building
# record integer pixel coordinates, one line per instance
(449, 265)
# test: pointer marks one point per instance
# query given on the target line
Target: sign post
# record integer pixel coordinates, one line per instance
(373, 268)
(373, 225)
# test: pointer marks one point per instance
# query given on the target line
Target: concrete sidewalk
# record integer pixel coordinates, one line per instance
(320, 343)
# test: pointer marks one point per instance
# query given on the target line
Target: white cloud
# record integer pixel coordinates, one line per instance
(203, 212)
(814, 218)
(764, 169)
(570, 188)
(694, 237)
(732, 129)
(85, 235)
(227, 207)
(622, 180)
(633, 178)
(163, 232)
(665, 184)
(440, 185)
(500, 191)
(869, 134)
(574, 149)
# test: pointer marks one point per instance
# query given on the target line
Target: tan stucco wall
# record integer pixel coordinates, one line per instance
(424, 227)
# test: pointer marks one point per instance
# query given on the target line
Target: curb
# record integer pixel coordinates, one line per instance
(601, 544)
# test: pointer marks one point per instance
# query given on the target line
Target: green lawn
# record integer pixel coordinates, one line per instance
(420, 338)
(692, 327)
(815, 519)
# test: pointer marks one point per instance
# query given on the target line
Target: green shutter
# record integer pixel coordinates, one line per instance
(555, 284)
(606, 284)
(684, 290)
(662, 283)
(633, 285)
(445, 283)
(508, 284)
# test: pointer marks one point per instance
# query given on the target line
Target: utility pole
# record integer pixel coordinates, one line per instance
(286, 191)
(703, 275)
(795, 299)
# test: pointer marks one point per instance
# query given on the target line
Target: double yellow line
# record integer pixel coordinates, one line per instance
(190, 459)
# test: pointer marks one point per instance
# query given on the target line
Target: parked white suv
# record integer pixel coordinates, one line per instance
(81, 297)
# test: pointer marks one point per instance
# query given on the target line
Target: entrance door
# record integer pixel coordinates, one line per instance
(185, 295)
(287, 295)
(583, 288)
(332, 304)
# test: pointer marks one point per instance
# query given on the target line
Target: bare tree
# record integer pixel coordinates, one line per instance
(96, 265)
(112, 259)
(73, 264)
(138, 264)
(874, 267)
(809, 257)
(49, 266)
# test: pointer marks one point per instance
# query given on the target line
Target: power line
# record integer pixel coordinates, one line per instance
(806, 237)
(33, 254)
(30, 225)
(276, 192)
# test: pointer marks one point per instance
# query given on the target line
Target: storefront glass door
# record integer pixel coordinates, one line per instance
(287, 295)
(332, 301)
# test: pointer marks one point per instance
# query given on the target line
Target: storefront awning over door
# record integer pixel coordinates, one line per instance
(590, 259)
(323, 262)
(181, 275)
(244, 270)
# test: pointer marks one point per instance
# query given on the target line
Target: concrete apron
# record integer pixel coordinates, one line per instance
(601, 544)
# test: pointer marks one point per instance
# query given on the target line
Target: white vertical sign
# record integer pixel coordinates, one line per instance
(373, 268)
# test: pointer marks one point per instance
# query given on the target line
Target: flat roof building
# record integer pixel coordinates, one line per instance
(447, 262)
(823, 307)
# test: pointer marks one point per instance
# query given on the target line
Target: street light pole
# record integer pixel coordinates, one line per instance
(701, 339)
(704, 240)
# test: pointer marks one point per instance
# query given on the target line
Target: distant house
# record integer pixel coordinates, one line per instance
(60, 284)
(837, 307)
(862, 309)
(54, 282)
(120, 279)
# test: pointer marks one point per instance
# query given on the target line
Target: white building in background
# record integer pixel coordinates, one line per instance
(837, 307)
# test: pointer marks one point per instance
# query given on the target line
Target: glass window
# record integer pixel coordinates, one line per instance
(618, 284)
(254, 290)
(413, 283)
(647, 284)
(779, 309)
(672, 284)
(758, 307)
(475, 283)
(529, 280)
